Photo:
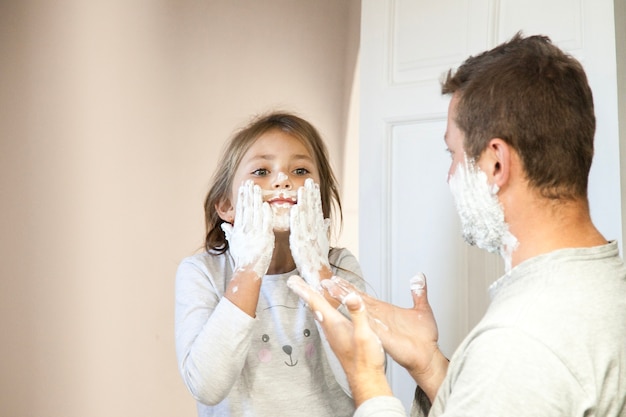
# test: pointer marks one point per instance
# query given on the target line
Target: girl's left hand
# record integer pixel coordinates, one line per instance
(308, 239)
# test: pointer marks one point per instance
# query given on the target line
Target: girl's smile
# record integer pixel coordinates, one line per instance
(279, 163)
(280, 197)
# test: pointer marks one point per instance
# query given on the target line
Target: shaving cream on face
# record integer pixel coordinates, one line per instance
(282, 176)
(281, 216)
(480, 211)
(281, 210)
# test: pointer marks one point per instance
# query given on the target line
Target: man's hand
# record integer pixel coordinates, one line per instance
(409, 335)
(357, 347)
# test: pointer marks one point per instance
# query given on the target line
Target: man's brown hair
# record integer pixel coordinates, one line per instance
(536, 98)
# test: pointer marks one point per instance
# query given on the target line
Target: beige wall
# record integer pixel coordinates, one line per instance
(112, 114)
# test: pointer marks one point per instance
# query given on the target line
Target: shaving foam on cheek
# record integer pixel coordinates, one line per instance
(480, 211)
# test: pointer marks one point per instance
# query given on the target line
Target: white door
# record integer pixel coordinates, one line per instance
(408, 222)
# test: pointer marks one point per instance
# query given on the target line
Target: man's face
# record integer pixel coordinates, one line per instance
(480, 211)
(454, 138)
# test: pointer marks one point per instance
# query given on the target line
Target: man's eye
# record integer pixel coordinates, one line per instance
(301, 171)
(261, 172)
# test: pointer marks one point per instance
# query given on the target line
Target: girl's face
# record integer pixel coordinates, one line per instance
(279, 164)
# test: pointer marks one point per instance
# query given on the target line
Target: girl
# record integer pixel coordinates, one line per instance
(246, 345)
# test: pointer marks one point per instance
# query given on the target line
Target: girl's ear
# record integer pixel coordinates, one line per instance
(225, 210)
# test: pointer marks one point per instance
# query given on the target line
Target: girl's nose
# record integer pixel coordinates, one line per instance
(282, 181)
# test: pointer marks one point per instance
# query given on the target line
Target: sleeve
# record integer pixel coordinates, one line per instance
(381, 407)
(344, 265)
(421, 404)
(212, 335)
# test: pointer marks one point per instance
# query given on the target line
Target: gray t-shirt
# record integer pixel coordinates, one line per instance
(552, 343)
(277, 364)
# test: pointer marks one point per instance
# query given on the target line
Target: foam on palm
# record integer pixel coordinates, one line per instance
(308, 239)
(251, 237)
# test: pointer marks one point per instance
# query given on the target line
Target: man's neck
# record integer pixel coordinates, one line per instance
(546, 226)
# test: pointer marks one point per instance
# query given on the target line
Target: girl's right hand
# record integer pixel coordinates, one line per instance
(251, 237)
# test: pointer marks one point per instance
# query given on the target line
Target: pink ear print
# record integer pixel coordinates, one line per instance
(265, 355)
(309, 350)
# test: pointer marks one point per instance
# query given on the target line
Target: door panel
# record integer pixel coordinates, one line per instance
(407, 218)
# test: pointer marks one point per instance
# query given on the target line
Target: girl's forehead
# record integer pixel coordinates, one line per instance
(275, 142)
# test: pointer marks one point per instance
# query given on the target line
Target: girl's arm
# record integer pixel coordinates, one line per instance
(212, 335)
(213, 329)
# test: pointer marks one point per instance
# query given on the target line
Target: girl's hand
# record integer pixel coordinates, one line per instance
(308, 239)
(251, 238)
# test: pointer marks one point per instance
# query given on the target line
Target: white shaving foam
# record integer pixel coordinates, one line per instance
(281, 216)
(482, 215)
(308, 240)
(319, 316)
(417, 284)
(353, 295)
(381, 324)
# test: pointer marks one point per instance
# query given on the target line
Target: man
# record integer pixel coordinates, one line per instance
(553, 340)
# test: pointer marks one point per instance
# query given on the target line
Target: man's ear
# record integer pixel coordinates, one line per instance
(225, 210)
(498, 161)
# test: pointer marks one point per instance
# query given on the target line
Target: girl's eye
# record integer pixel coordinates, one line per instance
(261, 172)
(301, 171)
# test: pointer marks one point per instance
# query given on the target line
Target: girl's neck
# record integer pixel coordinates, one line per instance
(282, 261)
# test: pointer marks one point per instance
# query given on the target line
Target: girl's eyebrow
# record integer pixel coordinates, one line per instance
(268, 157)
(302, 156)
